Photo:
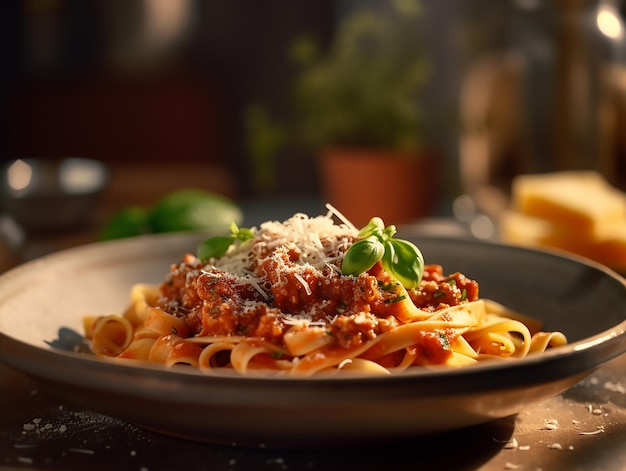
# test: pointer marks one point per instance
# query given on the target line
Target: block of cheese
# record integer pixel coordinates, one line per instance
(582, 201)
(522, 229)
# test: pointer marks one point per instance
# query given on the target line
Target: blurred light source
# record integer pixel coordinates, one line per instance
(165, 20)
(609, 23)
(464, 208)
(80, 176)
(19, 175)
(146, 32)
(482, 227)
(528, 4)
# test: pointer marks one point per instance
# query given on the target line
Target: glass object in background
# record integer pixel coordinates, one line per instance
(553, 99)
(44, 195)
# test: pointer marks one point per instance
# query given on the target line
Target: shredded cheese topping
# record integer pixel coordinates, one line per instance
(300, 232)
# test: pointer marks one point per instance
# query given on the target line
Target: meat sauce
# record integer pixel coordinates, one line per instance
(352, 309)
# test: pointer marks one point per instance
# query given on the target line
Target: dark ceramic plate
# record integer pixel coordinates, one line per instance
(42, 304)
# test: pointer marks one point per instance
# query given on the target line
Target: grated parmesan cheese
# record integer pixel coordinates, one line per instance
(598, 430)
(303, 282)
(511, 445)
(550, 424)
(300, 232)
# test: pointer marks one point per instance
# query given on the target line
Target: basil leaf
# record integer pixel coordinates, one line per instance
(375, 227)
(243, 234)
(404, 261)
(389, 259)
(362, 256)
(219, 245)
(214, 247)
(389, 231)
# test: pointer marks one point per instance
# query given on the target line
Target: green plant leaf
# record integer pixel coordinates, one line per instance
(400, 258)
(193, 210)
(214, 247)
(404, 261)
(375, 227)
(128, 222)
(362, 256)
(217, 246)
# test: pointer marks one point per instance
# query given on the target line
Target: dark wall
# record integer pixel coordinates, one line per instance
(79, 79)
(76, 78)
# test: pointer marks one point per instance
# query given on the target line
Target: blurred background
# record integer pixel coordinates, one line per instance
(164, 81)
(222, 96)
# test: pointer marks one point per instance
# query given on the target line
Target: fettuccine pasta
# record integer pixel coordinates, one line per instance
(279, 304)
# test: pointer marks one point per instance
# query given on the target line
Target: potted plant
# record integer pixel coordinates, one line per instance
(356, 106)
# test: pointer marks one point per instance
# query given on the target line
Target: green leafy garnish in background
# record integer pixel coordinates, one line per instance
(183, 210)
(190, 210)
(128, 222)
(400, 258)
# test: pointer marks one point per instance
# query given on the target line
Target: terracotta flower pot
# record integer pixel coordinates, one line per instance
(362, 183)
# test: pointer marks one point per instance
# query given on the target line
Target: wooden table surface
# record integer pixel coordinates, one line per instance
(583, 429)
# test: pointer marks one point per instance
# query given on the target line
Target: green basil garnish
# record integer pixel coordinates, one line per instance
(217, 246)
(400, 258)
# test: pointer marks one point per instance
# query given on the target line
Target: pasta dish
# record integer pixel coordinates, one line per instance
(312, 296)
